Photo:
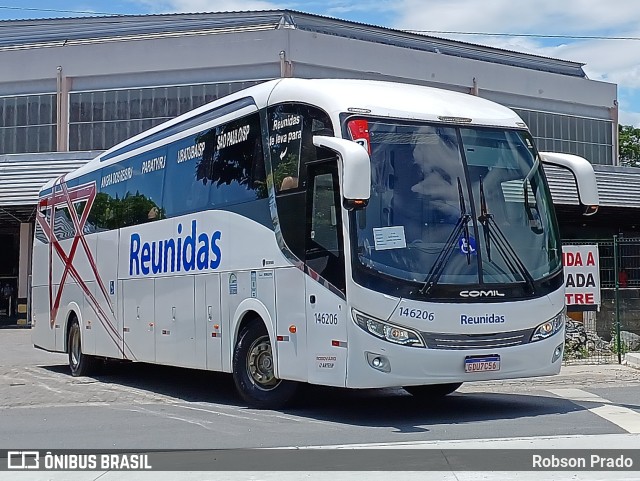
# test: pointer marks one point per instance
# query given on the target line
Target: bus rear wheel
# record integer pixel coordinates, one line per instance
(80, 364)
(432, 391)
(253, 370)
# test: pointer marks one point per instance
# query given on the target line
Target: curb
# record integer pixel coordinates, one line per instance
(632, 359)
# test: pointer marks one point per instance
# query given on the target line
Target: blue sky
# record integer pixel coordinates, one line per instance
(612, 60)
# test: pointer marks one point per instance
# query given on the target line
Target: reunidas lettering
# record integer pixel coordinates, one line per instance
(484, 319)
(289, 121)
(197, 251)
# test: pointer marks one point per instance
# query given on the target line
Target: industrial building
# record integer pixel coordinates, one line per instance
(72, 87)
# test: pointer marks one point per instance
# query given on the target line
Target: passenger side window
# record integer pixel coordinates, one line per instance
(285, 135)
(108, 207)
(143, 198)
(291, 131)
(223, 165)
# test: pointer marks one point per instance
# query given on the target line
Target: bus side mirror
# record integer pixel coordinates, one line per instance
(356, 169)
(583, 174)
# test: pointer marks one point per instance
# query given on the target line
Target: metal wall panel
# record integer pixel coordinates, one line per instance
(22, 175)
(617, 186)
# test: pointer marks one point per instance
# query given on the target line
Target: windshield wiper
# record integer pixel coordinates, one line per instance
(463, 213)
(491, 230)
(445, 254)
(535, 224)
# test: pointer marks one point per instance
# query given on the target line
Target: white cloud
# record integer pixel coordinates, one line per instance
(170, 6)
(323, 7)
(616, 61)
(539, 16)
(629, 118)
(338, 7)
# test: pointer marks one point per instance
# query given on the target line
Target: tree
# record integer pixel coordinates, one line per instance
(112, 212)
(629, 145)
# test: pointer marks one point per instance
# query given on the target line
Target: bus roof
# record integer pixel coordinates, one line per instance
(336, 96)
(396, 100)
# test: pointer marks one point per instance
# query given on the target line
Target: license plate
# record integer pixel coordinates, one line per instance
(482, 363)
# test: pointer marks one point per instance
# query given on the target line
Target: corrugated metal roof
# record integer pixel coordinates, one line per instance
(372, 33)
(617, 186)
(22, 175)
(55, 32)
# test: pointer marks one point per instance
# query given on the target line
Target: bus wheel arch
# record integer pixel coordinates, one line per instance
(80, 364)
(246, 318)
(253, 366)
(72, 314)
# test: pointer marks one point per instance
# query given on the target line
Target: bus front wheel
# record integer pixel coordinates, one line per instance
(80, 364)
(432, 391)
(253, 370)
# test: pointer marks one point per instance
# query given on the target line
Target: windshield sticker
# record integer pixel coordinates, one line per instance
(389, 238)
(467, 247)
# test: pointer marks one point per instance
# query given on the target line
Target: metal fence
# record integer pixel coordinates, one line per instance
(605, 335)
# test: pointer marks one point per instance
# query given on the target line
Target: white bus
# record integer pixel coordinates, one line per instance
(344, 233)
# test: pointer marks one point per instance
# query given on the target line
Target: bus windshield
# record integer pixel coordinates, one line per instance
(455, 205)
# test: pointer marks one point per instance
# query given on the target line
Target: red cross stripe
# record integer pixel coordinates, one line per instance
(63, 196)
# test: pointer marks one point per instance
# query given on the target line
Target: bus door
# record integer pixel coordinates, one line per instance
(325, 280)
(107, 329)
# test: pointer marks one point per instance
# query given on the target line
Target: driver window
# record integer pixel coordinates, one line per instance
(324, 230)
(324, 246)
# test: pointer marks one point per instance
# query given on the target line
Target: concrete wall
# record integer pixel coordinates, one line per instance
(313, 53)
(254, 55)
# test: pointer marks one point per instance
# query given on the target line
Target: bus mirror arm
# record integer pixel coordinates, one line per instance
(583, 174)
(356, 169)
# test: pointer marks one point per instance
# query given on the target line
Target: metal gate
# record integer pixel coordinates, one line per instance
(605, 335)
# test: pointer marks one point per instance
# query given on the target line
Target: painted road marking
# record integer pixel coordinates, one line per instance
(624, 417)
(571, 441)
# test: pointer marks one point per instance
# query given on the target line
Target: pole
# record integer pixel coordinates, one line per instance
(617, 298)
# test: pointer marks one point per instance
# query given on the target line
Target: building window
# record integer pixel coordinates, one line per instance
(99, 120)
(28, 124)
(586, 137)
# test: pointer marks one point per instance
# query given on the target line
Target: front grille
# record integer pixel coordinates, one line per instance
(477, 341)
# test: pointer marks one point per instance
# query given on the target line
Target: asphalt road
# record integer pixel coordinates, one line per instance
(155, 407)
(139, 407)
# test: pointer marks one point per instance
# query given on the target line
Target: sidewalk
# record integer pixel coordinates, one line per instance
(575, 375)
(632, 359)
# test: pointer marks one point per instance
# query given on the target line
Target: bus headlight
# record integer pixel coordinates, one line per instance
(388, 332)
(549, 328)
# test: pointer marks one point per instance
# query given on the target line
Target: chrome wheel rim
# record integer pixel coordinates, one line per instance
(260, 364)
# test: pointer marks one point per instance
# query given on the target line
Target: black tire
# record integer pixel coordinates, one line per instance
(80, 364)
(253, 370)
(432, 391)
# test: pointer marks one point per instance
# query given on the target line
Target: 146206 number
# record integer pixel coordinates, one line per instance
(417, 314)
(326, 318)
